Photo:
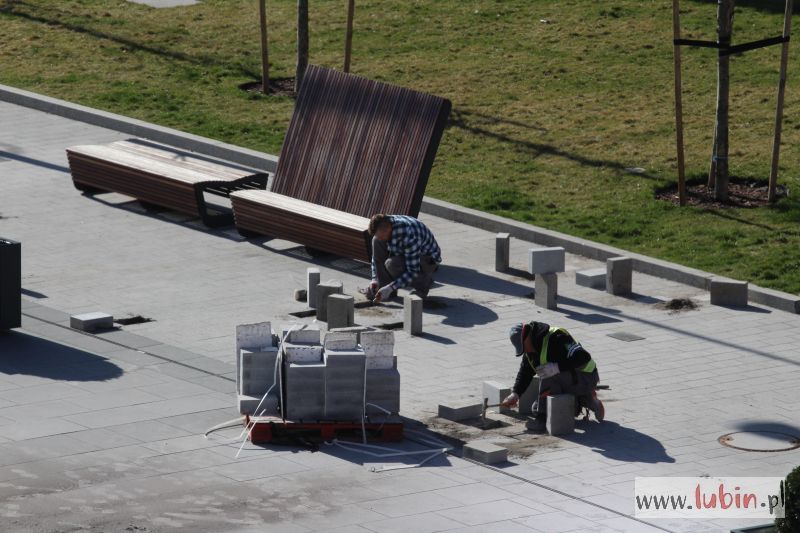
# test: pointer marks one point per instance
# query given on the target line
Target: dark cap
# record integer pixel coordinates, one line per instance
(516, 336)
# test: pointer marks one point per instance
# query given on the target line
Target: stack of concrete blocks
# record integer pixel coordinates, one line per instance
(545, 263)
(345, 377)
(728, 292)
(619, 276)
(324, 290)
(256, 353)
(383, 378)
(304, 373)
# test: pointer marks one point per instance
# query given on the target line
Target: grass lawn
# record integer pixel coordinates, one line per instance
(552, 101)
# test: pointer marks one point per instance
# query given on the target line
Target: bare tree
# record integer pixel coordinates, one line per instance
(262, 17)
(302, 43)
(718, 176)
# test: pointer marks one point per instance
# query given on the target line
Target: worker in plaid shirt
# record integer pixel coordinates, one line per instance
(404, 253)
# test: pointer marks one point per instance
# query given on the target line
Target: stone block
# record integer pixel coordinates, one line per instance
(344, 384)
(495, 392)
(302, 353)
(381, 362)
(91, 321)
(619, 275)
(527, 398)
(248, 403)
(560, 414)
(502, 249)
(377, 338)
(594, 278)
(305, 391)
(301, 334)
(323, 291)
(301, 295)
(258, 358)
(341, 340)
(358, 330)
(312, 281)
(546, 290)
(728, 292)
(378, 350)
(412, 314)
(341, 311)
(485, 452)
(546, 260)
(255, 337)
(459, 411)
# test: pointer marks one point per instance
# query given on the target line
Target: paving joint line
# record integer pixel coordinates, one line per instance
(551, 489)
(140, 350)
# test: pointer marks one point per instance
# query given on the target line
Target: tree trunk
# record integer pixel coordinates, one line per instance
(262, 17)
(720, 158)
(348, 40)
(302, 43)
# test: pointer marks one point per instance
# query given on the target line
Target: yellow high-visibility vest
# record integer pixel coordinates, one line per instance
(588, 367)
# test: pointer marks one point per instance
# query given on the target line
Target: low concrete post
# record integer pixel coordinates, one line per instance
(412, 314)
(546, 290)
(323, 291)
(312, 275)
(619, 275)
(502, 251)
(340, 311)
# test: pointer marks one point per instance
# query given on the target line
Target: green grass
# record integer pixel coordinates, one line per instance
(552, 100)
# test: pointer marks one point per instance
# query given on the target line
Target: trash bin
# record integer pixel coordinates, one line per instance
(10, 284)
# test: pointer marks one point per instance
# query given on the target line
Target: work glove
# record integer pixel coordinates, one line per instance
(511, 400)
(547, 370)
(384, 292)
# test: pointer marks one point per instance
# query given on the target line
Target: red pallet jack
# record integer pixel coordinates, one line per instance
(266, 430)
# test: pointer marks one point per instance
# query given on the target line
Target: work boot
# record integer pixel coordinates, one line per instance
(597, 407)
(537, 423)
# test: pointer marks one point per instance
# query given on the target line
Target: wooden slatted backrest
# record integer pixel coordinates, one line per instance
(358, 145)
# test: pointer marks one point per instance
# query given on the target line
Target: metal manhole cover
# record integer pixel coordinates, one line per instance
(760, 441)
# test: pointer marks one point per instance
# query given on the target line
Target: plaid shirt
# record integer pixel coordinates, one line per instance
(412, 239)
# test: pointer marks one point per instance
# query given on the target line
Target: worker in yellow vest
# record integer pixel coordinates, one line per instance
(562, 365)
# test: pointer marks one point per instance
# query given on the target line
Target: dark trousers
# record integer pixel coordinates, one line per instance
(391, 267)
(579, 384)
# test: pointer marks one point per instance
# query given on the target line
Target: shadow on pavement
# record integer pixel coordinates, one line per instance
(472, 279)
(768, 426)
(460, 313)
(34, 356)
(619, 443)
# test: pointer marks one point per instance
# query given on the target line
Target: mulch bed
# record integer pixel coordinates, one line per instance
(743, 193)
(277, 87)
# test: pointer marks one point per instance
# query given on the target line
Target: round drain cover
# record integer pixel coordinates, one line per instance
(760, 441)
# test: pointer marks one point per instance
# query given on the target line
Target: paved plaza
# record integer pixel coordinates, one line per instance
(105, 432)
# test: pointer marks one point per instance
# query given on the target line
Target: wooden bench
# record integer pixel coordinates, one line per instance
(160, 176)
(354, 147)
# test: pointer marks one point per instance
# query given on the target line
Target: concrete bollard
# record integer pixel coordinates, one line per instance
(412, 314)
(728, 292)
(323, 291)
(619, 275)
(546, 260)
(546, 290)
(340, 311)
(560, 414)
(502, 251)
(312, 275)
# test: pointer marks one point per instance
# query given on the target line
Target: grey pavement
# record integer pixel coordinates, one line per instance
(106, 431)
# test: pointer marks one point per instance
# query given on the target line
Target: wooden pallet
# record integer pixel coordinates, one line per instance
(268, 431)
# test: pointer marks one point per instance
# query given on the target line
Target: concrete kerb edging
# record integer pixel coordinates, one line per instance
(138, 128)
(471, 217)
(601, 252)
